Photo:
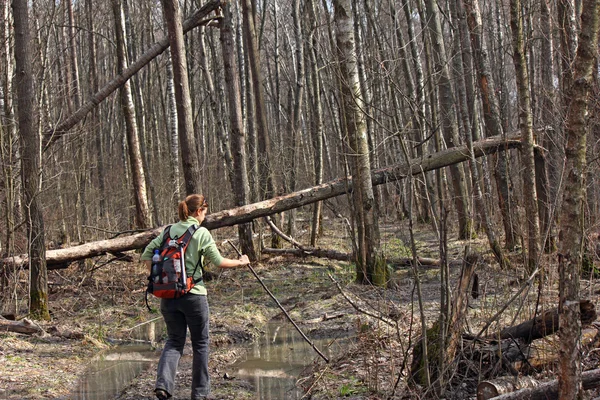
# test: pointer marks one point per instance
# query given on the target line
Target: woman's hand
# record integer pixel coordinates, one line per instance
(244, 260)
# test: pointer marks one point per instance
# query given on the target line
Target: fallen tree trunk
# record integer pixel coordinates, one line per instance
(512, 348)
(59, 258)
(338, 255)
(549, 390)
(24, 326)
(545, 324)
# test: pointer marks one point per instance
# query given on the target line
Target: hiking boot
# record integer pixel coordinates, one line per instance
(161, 394)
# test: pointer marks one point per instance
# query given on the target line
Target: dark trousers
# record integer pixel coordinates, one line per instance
(190, 311)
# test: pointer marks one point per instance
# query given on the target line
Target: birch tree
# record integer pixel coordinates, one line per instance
(369, 267)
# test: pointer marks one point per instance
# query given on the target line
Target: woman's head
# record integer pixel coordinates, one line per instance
(191, 204)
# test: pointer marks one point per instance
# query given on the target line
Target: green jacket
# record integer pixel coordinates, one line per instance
(202, 243)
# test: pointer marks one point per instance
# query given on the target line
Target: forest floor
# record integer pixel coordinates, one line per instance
(94, 306)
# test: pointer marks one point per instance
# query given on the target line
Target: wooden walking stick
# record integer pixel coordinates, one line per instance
(281, 307)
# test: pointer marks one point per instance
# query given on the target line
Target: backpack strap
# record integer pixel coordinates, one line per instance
(184, 241)
(187, 236)
(166, 237)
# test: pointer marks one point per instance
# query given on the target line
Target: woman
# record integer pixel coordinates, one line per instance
(191, 310)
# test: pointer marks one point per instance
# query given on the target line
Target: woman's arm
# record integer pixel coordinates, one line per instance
(232, 263)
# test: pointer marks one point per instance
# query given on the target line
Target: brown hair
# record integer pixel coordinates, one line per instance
(190, 205)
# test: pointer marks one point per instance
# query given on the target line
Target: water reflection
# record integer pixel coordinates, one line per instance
(108, 373)
(274, 362)
(111, 371)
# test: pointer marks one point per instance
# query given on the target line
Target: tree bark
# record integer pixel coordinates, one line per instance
(30, 163)
(571, 236)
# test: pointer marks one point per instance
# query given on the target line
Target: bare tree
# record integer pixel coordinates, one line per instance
(491, 112)
(526, 126)
(571, 236)
(142, 215)
(189, 155)
(368, 269)
(448, 121)
(30, 163)
(240, 185)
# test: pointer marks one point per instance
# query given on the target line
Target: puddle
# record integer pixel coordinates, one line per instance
(111, 371)
(273, 363)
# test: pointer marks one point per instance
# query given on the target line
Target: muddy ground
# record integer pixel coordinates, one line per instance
(94, 306)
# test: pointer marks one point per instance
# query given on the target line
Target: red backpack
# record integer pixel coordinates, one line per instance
(168, 278)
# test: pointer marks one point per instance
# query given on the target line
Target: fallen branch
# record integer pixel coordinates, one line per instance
(310, 251)
(24, 326)
(338, 255)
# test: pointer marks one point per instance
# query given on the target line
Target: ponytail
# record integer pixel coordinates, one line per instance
(183, 211)
(190, 205)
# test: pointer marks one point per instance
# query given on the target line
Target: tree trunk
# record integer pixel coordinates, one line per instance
(550, 390)
(240, 185)
(550, 141)
(571, 235)
(448, 121)
(316, 118)
(266, 176)
(353, 122)
(30, 163)
(8, 132)
(185, 122)
(491, 112)
(95, 123)
(526, 126)
(173, 134)
(142, 215)
(214, 105)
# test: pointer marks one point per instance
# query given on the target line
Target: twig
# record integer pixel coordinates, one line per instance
(357, 308)
(285, 237)
(143, 323)
(281, 307)
(505, 306)
(314, 383)
(114, 233)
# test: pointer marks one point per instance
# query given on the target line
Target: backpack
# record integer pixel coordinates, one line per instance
(168, 278)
